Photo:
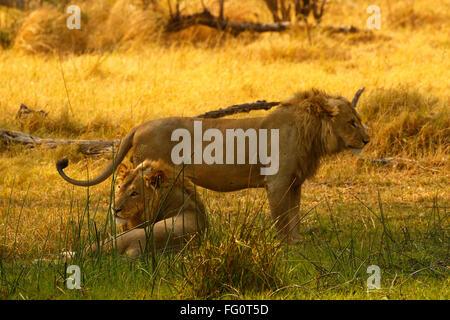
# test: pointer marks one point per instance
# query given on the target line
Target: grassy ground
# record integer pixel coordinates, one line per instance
(354, 214)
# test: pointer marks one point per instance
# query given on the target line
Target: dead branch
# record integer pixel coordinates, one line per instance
(344, 29)
(381, 162)
(398, 163)
(221, 4)
(24, 112)
(357, 96)
(239, 108)
(87, 147)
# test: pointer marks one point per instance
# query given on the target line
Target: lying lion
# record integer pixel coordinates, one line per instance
(311, 125)
(155, 195)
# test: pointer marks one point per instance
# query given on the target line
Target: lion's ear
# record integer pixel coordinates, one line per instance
(333, 111)
(156, 178)
(329, 109)
(122, 171)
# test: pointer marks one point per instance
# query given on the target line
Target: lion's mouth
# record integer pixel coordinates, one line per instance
(120, 221)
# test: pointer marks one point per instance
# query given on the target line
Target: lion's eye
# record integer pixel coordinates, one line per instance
(352, 123)
(133, 194)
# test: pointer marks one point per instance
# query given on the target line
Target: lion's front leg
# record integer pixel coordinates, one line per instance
(167, 234)
(284, 201)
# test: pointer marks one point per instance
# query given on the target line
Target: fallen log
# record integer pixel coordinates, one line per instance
(386, 161)
(397, 163)
(205, 18)
(180, 22)
(87, 147)
(344, 29)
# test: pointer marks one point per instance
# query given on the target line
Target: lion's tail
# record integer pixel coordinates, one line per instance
(124, 147)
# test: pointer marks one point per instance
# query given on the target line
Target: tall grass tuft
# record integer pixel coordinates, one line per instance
(239, 254)
(406, 122)
(45, 30)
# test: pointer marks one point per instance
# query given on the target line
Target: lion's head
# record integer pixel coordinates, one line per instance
(150, 192)
(331, 123)
(346, 126)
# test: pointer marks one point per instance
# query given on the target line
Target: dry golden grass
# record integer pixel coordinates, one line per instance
(408, 122)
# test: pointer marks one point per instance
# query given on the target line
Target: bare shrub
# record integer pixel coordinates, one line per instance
(288, 10)
(240, 254)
